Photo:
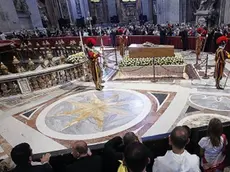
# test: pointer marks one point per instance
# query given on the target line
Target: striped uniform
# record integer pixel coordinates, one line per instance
(199, 45)
(221, 56)
(95, 68)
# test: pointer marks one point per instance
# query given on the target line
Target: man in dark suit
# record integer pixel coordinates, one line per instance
(113, 37)
(114, 150)
(184, 38)
(162, 35)
(22, 157)
(84, 161)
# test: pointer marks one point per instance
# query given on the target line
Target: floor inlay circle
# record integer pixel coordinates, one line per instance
(210, 102)
(201, 119)
(93, 114)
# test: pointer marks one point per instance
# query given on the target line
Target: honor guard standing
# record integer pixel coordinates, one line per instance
(221, 56)
(93, 57)
(201, 33)
(122, 41)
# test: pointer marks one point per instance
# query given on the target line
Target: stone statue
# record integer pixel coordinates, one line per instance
(16, 63)
(3, 69)
(50, 59)
(4, 89)
(62, 59)
(37, 44)
(207, 5)
(30, 65)
(42, 62)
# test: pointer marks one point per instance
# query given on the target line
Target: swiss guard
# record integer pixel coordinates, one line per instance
(201, 33)
(221, 56)
(93, 56)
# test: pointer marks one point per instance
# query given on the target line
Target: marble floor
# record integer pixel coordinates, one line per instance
(51, 119)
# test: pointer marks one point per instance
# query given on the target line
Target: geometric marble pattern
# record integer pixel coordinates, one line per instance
(210, 102)
(160, 97)
(191, 109)
(93, 114)
(28, 114)
(201, 119)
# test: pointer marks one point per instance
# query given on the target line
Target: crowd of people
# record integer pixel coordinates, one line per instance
(131, 29)
(129, 154)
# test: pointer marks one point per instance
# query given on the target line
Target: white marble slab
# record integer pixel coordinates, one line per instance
(165, 122)
(16, 132)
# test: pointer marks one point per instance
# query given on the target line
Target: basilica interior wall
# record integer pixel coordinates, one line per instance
(8, 16)
(227, 12)
(34, 13)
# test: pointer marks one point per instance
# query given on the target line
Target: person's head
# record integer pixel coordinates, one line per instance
(179, 138)
(90, 42)
(79, 149)
(188, 130)
(22, 154)
(129, 138)
(215, 130)
(136, 157)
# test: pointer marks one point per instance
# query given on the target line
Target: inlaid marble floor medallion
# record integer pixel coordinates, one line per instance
(210, 102)
(93, 114)
(201, 119)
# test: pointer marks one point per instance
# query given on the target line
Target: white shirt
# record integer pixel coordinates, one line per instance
(213, 155)
(172, 162)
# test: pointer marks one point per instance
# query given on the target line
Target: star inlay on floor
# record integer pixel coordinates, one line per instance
(96, 116)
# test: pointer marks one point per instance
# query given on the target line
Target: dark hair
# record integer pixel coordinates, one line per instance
(188, 130)
(215, 130)
(179, 137)
(129, 138)
(21, 153)
(136, 157)
(81, 147)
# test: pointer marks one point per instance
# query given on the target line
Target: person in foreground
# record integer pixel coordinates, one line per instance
(84, 160)
(114, 150)
(22, 157)
(213, 147)
(221, 56)
(136, 158)
(93, 57)
(177, 159)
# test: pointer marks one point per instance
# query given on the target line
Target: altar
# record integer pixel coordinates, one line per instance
(141, 51)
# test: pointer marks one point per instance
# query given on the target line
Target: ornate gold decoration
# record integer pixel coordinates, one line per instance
(15, 60)
(30, 65)
(3, 69)
(95, 108)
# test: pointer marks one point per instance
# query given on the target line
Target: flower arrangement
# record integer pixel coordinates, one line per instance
(76, 58)
(175, 60)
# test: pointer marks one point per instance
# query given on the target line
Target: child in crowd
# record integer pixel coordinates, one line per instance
(213, 147)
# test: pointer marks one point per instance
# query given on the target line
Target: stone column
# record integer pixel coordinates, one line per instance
(53, 12)
(112, 8)
(105, 11)
(34, 13)
(150, 5)
(8, 16)
(145, 8)
(227, 12)
(84, 8)
(65, 11)
(173, 11)
(119, 11)
(139, 9)
(73, 9)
